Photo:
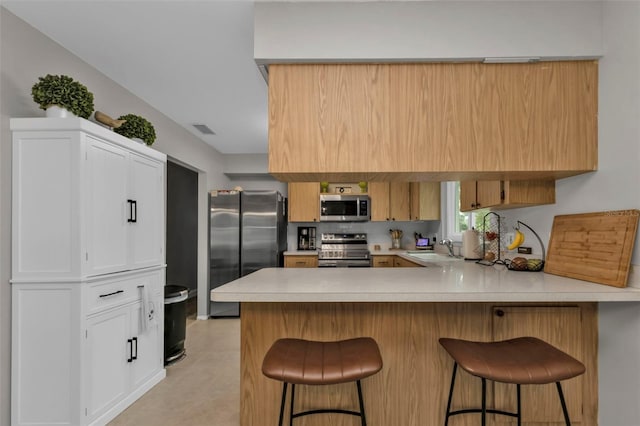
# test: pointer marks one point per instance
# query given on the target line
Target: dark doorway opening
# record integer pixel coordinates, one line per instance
(182, 227)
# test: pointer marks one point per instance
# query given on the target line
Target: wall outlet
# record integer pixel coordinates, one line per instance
(509, 238)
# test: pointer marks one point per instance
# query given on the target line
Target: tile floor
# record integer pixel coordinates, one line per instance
(202, 389)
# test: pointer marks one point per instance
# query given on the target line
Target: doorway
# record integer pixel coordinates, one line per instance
(182, 229)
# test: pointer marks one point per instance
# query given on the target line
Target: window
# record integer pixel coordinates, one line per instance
(456, 222)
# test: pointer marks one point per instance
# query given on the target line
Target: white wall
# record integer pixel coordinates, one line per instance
(300, 32)
(26, 54)
(431, 30)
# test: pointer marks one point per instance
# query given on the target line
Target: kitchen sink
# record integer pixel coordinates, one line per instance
(432, 257)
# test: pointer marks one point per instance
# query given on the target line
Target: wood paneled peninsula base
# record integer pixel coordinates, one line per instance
(406, 311)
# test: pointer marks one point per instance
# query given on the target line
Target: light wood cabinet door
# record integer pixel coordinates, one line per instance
(306, 261)
(506, 121)
(560, 326)
(399, 201)
(304, 202)
(382, 261)
(505, 194)
(425, 200)
(379, 196)
(389, 201)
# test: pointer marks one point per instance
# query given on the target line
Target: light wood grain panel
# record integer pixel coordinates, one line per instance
(382, 261)
(425, 200)
(399, 201)
(530, 192)
(400, 262)
(488, 194)
(379, 196)
(305, 261)
(304, 202)
(358, 120)
(412, 387)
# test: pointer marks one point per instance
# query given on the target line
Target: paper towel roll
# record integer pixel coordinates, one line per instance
(471, 245)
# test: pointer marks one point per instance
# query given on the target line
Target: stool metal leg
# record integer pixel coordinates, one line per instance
(293, 394)
(284, 398)
(519, 417)
(564, 405)
(453, 381)
(362, 417)
(484, 401)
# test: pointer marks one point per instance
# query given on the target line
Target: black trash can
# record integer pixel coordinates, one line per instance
(175, 322)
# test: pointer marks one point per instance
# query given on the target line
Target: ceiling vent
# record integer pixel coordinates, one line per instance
(204, 129)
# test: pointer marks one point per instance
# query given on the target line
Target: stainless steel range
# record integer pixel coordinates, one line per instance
(344, 251)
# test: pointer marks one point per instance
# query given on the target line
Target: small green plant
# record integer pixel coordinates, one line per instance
(137, 127)
(65, 92)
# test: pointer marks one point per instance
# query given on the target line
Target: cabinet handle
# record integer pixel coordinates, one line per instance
(112, 294)
(130, 344)
(499, 313)
(135, 340)
(133, 211)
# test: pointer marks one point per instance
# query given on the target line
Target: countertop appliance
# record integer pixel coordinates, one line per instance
(248, 231)
(344, 250)
(306, 237)
(344, 208)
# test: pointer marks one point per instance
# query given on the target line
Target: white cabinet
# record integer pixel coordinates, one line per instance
(87, 259)
(121, 357)
(87, 200)
(124, 195)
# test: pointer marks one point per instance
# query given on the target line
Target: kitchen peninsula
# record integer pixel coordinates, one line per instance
(406, 310)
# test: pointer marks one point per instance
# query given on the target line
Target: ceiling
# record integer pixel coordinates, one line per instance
(191, 60)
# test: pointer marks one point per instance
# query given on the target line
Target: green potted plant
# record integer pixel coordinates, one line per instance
(64, 92)
(135, 126)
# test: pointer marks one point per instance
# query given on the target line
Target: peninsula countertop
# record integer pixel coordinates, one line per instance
(461, 281)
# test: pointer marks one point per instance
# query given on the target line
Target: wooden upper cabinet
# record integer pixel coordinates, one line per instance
(505, 194)
(304, 202)
(425, 200)
(432, 121)
(389, 201)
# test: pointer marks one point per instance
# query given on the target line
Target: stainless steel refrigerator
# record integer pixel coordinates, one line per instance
(247, 232)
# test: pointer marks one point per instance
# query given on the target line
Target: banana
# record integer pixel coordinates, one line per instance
(518, 239)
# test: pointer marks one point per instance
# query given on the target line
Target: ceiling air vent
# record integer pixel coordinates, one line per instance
(204, 129)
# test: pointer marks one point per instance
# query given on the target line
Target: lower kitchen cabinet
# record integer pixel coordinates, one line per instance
(382, 261)
(302, 261)
(400, 262)
(80, 356)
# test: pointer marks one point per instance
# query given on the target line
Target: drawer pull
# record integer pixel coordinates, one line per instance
(112, 294)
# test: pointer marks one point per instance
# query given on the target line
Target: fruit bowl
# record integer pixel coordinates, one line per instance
(526, 265)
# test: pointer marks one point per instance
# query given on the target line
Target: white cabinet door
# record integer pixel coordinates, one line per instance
(109, 348)
(148, 357)
(146, 190)
(107, 210)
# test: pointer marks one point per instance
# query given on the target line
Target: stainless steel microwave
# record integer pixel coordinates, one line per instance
(344, 208)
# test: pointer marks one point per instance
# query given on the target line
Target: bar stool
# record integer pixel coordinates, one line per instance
(522, 361)
(306, 362)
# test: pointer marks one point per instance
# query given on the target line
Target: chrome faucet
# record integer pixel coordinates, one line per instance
(447, 242)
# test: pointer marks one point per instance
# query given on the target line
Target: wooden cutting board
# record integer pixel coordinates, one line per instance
(594, 247)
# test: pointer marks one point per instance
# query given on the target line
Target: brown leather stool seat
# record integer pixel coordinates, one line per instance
(305, 362)
(522, 361)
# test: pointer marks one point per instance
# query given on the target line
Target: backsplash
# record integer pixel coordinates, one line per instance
(377, 232)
